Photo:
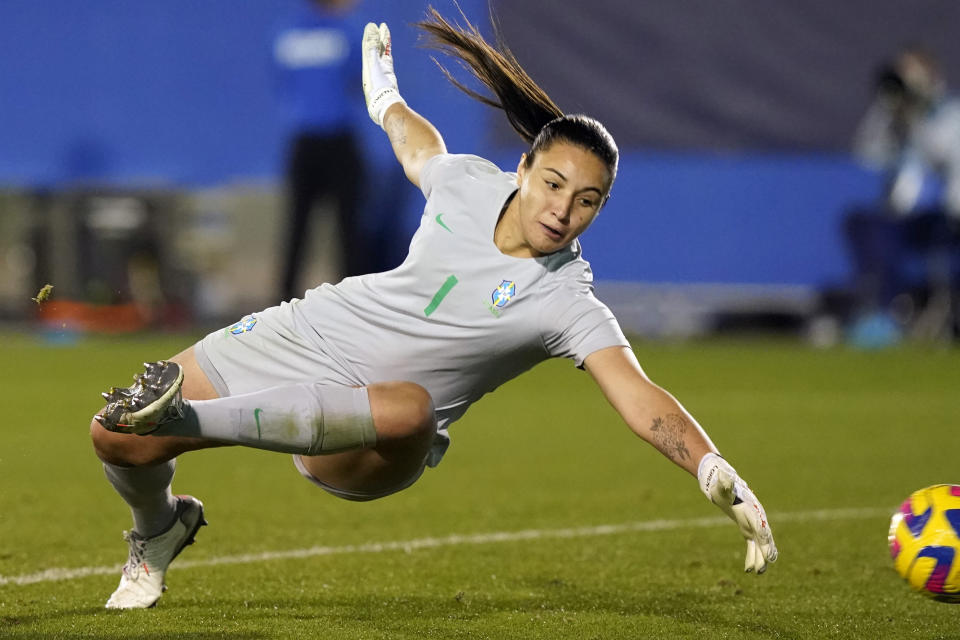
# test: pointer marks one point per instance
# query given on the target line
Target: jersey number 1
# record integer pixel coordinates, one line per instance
(441, 293)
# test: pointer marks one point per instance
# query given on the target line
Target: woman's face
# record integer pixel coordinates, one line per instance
(560, 194)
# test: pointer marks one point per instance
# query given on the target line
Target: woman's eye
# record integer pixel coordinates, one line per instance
(552, 185)
(586, 202)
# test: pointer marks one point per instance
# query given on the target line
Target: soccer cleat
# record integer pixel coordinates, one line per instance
(142, 582)
(153, 399)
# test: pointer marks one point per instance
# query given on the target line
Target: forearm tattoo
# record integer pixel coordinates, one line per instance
(397, 130)
(668, 436)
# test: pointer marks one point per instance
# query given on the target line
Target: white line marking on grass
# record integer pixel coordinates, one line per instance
(53, 575)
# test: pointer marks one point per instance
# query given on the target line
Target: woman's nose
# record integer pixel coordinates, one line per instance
(562, 207)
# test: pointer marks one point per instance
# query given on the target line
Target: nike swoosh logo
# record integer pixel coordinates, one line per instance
(256, 416)
(440, 222)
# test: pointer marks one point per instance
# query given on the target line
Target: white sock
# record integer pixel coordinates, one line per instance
(301, 418)
(147, 491)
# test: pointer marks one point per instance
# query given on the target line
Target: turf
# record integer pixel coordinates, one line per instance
(814, 432)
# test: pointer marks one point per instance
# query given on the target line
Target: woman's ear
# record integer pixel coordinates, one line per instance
(521, 168)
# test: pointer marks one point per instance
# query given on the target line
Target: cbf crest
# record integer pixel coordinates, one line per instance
(243, 326)
(503, 293)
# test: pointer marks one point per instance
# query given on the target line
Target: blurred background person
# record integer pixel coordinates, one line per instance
(906, 246)
(737, 134)
(315, 54)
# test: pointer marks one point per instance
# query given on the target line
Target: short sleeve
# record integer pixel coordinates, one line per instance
(447, 167)
(577, 324)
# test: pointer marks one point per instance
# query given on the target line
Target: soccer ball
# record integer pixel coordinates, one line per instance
(925, 541)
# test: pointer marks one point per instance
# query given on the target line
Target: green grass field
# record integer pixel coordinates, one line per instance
(505, 539)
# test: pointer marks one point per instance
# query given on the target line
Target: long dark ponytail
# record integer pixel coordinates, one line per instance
(530, 111)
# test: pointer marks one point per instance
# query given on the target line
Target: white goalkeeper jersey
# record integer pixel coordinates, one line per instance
(458, 316)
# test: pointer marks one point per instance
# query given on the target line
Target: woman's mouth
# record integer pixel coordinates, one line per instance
(552, 233)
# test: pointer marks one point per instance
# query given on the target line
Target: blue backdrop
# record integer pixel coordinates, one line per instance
(179, 93)
(752, 218)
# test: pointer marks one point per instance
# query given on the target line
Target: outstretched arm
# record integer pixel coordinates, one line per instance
(413, 138)
(650, 411)
(656, 416)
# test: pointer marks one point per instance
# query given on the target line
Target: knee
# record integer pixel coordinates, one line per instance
(421, 414)
(402, 411)
(123, 450)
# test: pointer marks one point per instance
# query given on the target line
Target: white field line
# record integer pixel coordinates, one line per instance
(52, 575)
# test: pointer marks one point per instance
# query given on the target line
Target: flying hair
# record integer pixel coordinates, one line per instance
(530, 111)
(527, 106)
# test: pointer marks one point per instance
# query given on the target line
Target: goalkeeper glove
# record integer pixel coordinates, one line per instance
(721, 484)
(379, 80)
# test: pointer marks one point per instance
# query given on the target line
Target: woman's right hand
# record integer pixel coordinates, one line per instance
(379, 81)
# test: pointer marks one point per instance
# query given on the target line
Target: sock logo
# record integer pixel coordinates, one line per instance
(256, 416)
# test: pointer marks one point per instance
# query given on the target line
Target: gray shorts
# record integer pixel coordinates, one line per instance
(259, 352)
(267, 349)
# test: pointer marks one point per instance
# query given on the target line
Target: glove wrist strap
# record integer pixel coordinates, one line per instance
(707, 472)
(382, 100)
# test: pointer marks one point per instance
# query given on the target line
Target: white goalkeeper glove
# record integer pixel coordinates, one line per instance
(721, 484)
(379, 80)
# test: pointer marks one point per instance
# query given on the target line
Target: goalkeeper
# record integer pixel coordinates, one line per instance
(360, 381)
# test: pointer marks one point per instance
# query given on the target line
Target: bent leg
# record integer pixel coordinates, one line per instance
(388, 427)
(368, 440)
(141, 468)
(347, 437)
(405, 421)
(128, 450)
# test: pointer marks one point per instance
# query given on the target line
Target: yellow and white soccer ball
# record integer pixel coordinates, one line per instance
(925, 541)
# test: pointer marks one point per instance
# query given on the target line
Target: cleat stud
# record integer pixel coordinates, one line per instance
(106, 396)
